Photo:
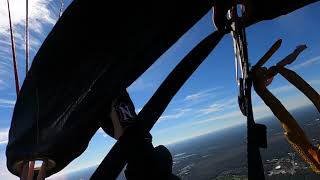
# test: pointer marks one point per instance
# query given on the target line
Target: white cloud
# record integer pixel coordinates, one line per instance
(314, 82)
(290, 87)
(140, 85)
(200, 95)
(7, 103)
(4, 173)
(212, 108)
(229, 115)
(282, 89)
(4, 73)
(260, 110)
(101, 131)
(4, 136)
(39, 13)
(2, 84)
(5, 62)
(233, 116)
(42, 14)
(307, 63)
(219, 106)
(178, 114)
(196, 96)
(3, 142)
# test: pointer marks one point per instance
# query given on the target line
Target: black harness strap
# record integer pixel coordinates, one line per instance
(115, 160)
(256, 133)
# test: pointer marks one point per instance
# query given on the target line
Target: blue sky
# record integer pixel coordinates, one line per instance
(206, 103)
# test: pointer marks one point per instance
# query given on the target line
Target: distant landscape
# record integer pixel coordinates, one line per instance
(225, 154)
(222, 155)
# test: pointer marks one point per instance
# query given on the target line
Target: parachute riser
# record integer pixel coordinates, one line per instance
(256, 133)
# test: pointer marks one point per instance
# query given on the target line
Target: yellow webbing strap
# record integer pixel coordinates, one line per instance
(302, 85)
(293, 132)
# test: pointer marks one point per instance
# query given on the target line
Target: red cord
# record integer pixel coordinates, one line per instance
(13, 52)
(27, 36)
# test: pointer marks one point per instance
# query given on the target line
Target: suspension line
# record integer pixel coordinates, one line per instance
(13, 52)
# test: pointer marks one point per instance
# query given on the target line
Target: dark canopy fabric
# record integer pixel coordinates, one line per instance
(93, 53)
(258, 10)
(95, 50)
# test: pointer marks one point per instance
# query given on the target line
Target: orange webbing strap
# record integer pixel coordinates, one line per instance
(293, 132)
(302, 85)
